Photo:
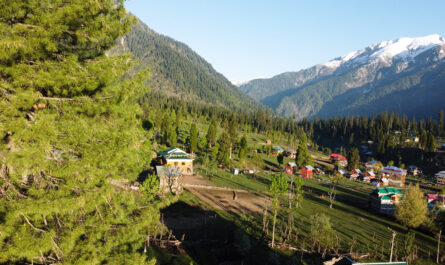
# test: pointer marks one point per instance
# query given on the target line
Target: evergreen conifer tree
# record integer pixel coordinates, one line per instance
(224, 143)
(193, 138)
(353, 159)
(70, 127)
(211, 133)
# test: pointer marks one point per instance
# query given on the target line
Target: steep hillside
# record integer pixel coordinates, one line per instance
(406, 76)
(178, 71)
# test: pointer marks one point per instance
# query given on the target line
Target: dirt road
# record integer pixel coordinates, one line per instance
(237, 201)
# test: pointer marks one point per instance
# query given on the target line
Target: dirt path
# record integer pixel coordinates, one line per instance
(237, 201)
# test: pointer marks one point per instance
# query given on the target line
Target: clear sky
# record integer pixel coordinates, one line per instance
(246, 39)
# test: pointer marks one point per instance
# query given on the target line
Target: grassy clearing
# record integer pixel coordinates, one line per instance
(350, 217)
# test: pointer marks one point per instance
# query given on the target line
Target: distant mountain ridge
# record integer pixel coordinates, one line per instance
(178, 71)
(406, 76)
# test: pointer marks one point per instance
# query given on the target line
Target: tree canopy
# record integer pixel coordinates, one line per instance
(412, 210)
(70, 127)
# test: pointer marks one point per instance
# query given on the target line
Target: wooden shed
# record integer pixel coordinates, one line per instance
(306, 171)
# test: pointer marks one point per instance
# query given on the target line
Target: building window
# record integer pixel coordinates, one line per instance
(183, 163)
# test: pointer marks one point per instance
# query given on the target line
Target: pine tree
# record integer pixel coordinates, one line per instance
(233, 134)
(224, 143)
(280, 158)
(242, 153)
(193, 138)
(211, 133)
(353, 159)
(70, 125)
(172, 138)
(430, 145)
(302, 158)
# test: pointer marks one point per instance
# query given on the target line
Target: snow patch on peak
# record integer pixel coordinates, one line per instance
(402, 48)
(407, 48)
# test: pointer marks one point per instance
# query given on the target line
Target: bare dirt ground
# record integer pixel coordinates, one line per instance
(246, 202)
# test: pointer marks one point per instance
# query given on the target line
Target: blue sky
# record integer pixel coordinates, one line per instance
(246, 39)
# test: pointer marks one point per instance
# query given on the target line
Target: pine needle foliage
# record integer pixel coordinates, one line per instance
(70, 126)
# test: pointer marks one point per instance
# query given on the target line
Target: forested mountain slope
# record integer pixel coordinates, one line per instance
(177, 70)
(406, 76)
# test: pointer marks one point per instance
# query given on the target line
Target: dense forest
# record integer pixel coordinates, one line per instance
(176, 70)
(388, 136)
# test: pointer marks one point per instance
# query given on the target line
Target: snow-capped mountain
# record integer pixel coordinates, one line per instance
(406, 75)
(405, 49)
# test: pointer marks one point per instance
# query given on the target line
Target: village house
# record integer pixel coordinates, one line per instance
(440, 178)
(384, 181)
(342, 161)
(306, 171)
(366, 179)
(383, 200)
(341, 173)
(292, 154)
(370, 174)
(436, 200)
(374, 166)
(395, 175)
(289, 168)
(355, 174)
(277, 150)
(268, 141)
(177, 158)
(318, 171)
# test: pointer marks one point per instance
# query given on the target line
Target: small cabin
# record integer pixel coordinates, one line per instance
(342, 161)
(383, 200)
(277, 150)
(356, 173)
(341, 173)
(370, 174)
(289, 168)
(436, 200)
(374, 166)
(440, 178)
(292, 154)
(395, 175)
(306, 171)
(318, 171)
(268, 141)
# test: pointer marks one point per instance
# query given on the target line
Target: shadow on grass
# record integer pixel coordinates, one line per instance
(356, 211)
(209, 238)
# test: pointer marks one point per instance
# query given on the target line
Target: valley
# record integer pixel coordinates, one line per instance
(120, 145)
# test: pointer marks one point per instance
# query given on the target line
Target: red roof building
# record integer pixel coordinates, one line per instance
(341, 159)
(289, 168)
(306, 171)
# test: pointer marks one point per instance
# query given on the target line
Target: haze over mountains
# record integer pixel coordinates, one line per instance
(406, 76)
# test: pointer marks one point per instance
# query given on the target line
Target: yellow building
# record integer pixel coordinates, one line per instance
(175, 157)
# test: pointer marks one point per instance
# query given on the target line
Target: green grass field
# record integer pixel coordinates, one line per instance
(350, 217)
